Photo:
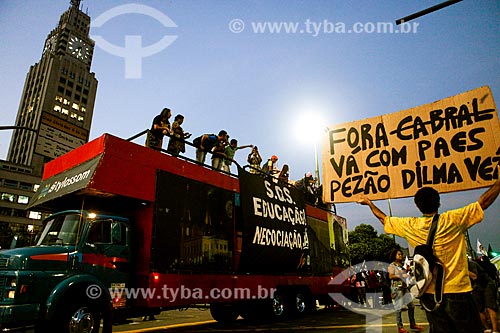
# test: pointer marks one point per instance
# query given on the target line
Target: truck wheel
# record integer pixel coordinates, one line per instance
(224, 312)
(77, 318)
(278, 306)
(84, 320)
(300, 302)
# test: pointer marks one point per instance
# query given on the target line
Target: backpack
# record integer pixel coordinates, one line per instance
(197, 142)
(425, 268)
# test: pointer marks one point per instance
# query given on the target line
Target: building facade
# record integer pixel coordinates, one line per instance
(58, 98)
(18, 227)
(55, 111)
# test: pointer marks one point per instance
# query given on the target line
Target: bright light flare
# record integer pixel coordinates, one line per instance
(309, 127)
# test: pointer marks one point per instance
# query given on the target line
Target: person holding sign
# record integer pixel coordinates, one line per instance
(458, 312)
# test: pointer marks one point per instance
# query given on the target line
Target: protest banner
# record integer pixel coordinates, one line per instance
(452, 145)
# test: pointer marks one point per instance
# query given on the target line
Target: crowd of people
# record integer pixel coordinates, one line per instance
(390, 287)
(222, 151)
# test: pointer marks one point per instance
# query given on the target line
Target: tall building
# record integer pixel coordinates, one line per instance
(56, 106)
(58, 96)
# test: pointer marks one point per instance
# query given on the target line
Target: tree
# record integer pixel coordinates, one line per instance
(365, 244)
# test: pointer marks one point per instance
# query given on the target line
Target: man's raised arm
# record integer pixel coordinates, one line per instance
(375, 210)
(490, 195)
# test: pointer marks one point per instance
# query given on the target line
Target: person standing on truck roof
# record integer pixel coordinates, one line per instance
(457, 312)
(159, 128)
(271, 166)
(206, 143)
(254, 159)
(218, 155)
(176, 143)
(230, 151)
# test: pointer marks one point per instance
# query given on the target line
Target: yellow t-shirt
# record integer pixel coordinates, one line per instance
(449, 243)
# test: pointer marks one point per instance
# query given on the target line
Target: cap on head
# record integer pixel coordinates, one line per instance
(274, 158)
(309, 174)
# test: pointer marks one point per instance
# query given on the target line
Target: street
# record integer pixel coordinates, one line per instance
(324, 319)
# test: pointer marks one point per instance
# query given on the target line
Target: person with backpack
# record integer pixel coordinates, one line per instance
(206, 143)
(457, 312)
(399, 288)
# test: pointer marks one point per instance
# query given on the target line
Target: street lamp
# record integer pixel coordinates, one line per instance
(316, 171)
(315, 129)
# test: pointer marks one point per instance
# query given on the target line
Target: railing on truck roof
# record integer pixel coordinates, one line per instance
(189, 143)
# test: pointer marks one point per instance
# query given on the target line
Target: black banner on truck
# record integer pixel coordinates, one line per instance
(275, 236)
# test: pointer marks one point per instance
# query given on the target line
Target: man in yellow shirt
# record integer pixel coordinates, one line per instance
(457, 312)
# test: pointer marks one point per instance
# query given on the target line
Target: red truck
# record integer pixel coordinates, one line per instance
(136, 231)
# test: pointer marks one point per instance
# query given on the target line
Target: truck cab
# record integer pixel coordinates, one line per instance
(63, 280)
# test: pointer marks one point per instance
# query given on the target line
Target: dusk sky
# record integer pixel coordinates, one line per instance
(266, 70)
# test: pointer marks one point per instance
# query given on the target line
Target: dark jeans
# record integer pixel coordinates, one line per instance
(457, 313)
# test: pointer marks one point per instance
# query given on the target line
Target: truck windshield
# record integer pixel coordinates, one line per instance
(60, 230)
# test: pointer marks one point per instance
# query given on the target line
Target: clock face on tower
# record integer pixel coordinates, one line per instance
(79, 49)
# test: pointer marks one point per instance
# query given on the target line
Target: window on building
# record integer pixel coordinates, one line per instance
(8, 197)
(25, 186)
(57, 108)
(64, 111)
(10, 183)
(62, 80)
(59, 98)
(76, 106)
(35, 215)
(22, 199)
(65, 101)
(35, 187)
(83, 109)
(19, 213)
(80, 118)
(73, 115)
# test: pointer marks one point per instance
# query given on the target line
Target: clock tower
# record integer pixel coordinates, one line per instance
(57, 102)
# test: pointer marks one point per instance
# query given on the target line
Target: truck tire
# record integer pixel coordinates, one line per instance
(79, 317)
(273, 309)
(85, 320)
(278, 306)
(224, 312)
(300, 302)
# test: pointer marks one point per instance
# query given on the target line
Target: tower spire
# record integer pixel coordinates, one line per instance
(75, 3)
